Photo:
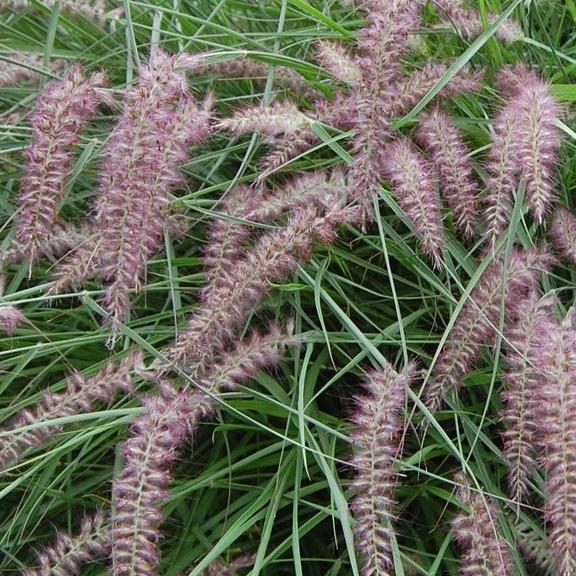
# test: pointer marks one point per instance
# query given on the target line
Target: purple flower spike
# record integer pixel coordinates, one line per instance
(70, 553)
(159, 121)
(476, 530)
(378, 426)
(502, 174)
(538, 140)
(449, 155)
(563, 233)
(80, 396)
(415, 191)
(141, 486)
(523, 378)
(556, 432)
(10, 318)
(271, 259)
(468, 23)
(475, 325)
(61, 112)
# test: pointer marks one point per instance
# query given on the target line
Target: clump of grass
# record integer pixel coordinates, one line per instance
(315, 221)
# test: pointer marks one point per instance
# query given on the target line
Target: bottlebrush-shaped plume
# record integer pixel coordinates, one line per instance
(274, 120)
(449, 156)
(336, 59)
(556, 432)
(468, 23)
(242, 67)
(61, 112)
(502, 171)
(141, 486)
(272, 258)
(159, 121)
(378, 426)
(523, 377)
(411, 89)
(226, 237)
(64, 240)
(475, 326)
(84, 261)
(476, 530)
(537, 140)
(10, 318)
(80, 396)
(70, 553)
(415, 191)
(563, 233)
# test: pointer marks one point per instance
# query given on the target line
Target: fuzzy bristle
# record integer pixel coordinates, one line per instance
(62, 110)
(474, 328)
(556, 433)
(449, 155)
(378, 425)
(523, 376)
(80, 396)
(69, 554)
(415, 191)
(476, 530)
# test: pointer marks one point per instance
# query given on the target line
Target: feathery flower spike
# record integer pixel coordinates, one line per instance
(141, 486)
(502, 171)
(523, 378)
(70, 553)
(272, 258)
(537, 140)
(10, 316)
(159, 121)
(336, 60)
(63, 241)
(468, 23)
(244, 67)
(277, 119)
(486, 554)
(61, 112)
(449, 155)
(474, 327)
(376, 436)
(415, 191)
(79, 397)
(227, 238)
(563, 233)
(409, 91)
(556, 432)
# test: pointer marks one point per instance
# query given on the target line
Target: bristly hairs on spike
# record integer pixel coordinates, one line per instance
(141, 486)
(449, 156)
(523, 376)
(414, 189)
(68, 555)
(80, 396)
(476, 530)
(475, 326)
(378, 425)
(62, 110)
